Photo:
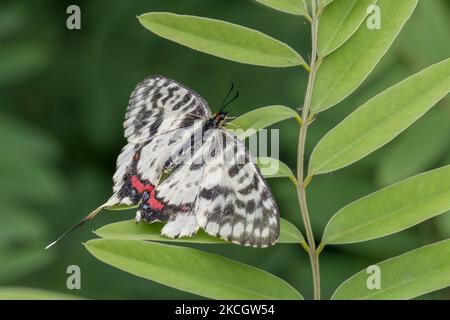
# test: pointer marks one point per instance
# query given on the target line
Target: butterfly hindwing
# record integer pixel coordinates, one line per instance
(222, 191)
(234, 201)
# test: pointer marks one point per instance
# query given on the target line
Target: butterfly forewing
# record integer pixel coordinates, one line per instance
(159, 105)
(159, 114)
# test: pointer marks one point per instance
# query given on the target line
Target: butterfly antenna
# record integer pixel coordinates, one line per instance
(224, 102)
(231, 100)
(77, 225)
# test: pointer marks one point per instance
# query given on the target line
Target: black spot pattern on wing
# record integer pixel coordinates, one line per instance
(227, 198)
(155, 103)
(235, 202)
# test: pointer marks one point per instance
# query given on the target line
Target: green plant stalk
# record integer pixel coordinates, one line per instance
(301, 187)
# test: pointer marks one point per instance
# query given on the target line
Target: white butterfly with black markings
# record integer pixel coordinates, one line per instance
(182, 167)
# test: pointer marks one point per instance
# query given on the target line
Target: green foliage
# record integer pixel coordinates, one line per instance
(59, 147)
(348, 51)
(297, 7)
(191, 270)
(350, 14)
(343, 71)
(26, 169)
(392, 209)
(22, 293)
(30, 153)
(402, 159)
(152, 232)
(324, 3)
(430, 18)
(261, 118)
(283, 169)
(20, 234)
(21, 61)
(381, 119)
(222, 39)
(404, 277)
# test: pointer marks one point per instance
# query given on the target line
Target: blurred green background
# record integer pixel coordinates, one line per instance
(63, 96)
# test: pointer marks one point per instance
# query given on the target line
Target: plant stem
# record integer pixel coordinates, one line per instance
(301, 188)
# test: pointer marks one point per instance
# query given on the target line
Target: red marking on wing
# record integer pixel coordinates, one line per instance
(155, 203)
(139, 186)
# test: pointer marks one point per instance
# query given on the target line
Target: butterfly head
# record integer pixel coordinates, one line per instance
(219, 117)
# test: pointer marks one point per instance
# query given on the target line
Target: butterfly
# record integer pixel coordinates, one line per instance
(182, 167)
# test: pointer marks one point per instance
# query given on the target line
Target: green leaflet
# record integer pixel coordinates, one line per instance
(339, 22)
(22, 293)
(255, 120)
(324, 3)
(343, 71)
(222, 39)
(191, 270)
(297, 7)
(381, 119)
(273, 168)
(407, 276)
(129, 230)
(392, 209)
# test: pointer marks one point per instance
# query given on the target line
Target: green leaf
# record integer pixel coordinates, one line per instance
(403, 277)
(273, 168)
(222, 39)
(191, 270)
(143, 231)
(345, 69)
(392, 209)
(255, 120)
(152, 232)
(297, 7)
(324, 3)
(385, 247)
(402, 159)
(443, 225)
(339, 22)
(22, 293)
(381, 119)
(290, 234)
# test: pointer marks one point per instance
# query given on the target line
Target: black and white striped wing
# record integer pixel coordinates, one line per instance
(179, 193)
(159, 105)
(234, 201)
(222, 191)
(161, 115)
